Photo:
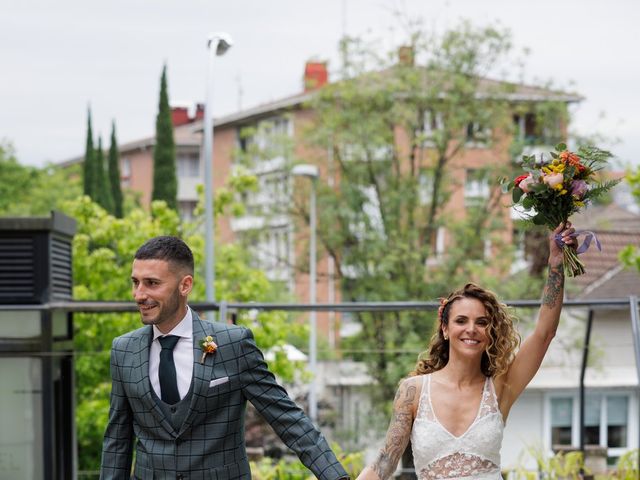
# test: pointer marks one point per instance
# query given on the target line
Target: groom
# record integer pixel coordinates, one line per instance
(185, 406)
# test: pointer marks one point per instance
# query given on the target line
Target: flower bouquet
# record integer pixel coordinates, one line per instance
(554, 189)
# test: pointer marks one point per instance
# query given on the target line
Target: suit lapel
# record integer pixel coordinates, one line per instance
(202, 371)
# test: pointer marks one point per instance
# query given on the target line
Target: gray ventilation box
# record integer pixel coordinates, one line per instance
(35, 259)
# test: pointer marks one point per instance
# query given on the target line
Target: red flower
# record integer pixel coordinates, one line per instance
(519, 179)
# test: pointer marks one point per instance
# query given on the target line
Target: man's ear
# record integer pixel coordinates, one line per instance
(185, 286)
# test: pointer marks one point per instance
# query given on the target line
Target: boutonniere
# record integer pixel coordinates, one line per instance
(208, 346)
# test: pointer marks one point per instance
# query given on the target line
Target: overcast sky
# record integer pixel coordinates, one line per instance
(58, 57)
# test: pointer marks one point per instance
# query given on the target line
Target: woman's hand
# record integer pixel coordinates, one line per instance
(555, 251)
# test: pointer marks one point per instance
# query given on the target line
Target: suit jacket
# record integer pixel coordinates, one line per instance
(210, 442)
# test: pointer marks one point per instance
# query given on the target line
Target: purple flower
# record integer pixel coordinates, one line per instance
(579, 188)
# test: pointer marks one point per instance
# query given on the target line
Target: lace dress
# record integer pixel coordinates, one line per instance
(437, 453)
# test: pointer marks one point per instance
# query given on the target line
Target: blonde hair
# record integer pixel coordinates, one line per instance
(503, 337)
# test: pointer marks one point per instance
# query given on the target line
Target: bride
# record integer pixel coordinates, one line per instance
(454, 404)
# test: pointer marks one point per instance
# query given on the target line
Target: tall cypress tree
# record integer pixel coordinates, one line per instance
(103, 185)
(89, 170)
(165, 182)
(114, 173)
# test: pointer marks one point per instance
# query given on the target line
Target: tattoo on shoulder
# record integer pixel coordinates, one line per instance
(553, 288)
(398, 432)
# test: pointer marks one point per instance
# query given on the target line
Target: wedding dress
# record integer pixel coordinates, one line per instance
(439, 454)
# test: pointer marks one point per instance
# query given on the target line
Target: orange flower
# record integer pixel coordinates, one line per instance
(572, 159)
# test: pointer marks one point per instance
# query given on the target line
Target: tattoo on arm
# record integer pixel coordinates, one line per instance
(554, 287)
(398, 432)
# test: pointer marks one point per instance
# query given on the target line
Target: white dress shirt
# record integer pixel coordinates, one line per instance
(182, 355)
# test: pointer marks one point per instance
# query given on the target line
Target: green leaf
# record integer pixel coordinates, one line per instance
(527, 202)
(538, 219)
(517, 194)
(561, 147)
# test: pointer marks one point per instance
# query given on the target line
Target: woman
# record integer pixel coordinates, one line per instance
(453, 406)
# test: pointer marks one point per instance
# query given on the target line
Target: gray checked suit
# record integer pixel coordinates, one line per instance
(209, 443)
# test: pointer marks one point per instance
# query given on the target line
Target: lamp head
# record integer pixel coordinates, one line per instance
(221, 41)
(305, 170)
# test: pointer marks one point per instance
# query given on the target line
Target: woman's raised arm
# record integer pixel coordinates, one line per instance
(533, 349)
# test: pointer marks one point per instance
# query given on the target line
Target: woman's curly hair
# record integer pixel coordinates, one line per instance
(503, 337)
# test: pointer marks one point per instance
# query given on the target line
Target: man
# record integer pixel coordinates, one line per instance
(185, 403)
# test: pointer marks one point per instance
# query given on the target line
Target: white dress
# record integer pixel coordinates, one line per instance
(437, 453)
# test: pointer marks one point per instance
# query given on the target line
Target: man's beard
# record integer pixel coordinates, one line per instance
(167, 312)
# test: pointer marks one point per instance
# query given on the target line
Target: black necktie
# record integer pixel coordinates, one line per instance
(167, 370)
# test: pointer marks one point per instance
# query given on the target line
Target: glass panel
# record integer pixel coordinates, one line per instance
(560, 436)
(561, 412)
(592, 411)
(60, 325)
(592, 435)
(20, 323)
(617, 410)
(21, 451)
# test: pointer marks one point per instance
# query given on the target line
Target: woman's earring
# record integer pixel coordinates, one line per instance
(446, 337)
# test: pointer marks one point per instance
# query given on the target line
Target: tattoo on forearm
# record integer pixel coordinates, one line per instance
(553, 289)
(398, 433)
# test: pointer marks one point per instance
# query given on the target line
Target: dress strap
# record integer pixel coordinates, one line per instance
(424, 408)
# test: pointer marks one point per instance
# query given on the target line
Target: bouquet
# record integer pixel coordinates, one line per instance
(554, 189)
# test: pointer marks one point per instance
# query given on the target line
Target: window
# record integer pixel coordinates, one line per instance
(476, 187)
(188, 165)
(125, 172)
(266, 139)
(432, 123)
(477, 134)
(617, 421)
(561, 421)
(606, 421)
(425, 186)
(270, 251)
(186, 208)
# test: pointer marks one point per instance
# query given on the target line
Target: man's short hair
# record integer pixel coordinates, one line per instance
(167, 248)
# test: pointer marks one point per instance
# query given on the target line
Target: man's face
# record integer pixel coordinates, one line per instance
(160, 292)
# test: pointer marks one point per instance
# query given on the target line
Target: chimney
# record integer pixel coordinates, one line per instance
(179, 116)
(406, 56)
(315, 75)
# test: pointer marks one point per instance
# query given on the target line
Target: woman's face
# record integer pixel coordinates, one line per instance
(467, 326)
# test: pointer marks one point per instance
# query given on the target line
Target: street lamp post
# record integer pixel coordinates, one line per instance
(217, 44)
(311, 172)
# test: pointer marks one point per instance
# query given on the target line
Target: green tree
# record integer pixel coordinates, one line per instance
(114, 173)
(26, 190)
(15, 179)
(630, 255)
(103, 250)
(395, 131)
(103, 183)
(90, 172)
(165, 182)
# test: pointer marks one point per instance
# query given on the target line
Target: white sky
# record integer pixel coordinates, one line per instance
(57, 57)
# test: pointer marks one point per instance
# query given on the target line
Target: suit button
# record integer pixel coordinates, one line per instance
(173, 409)
(179, 477)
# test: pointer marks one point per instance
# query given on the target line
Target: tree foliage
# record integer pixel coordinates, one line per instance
(103, 195)
(630, 255)
(114, 174)
(90, 171)
(26, 190)
(165, 182)
(396, 132)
